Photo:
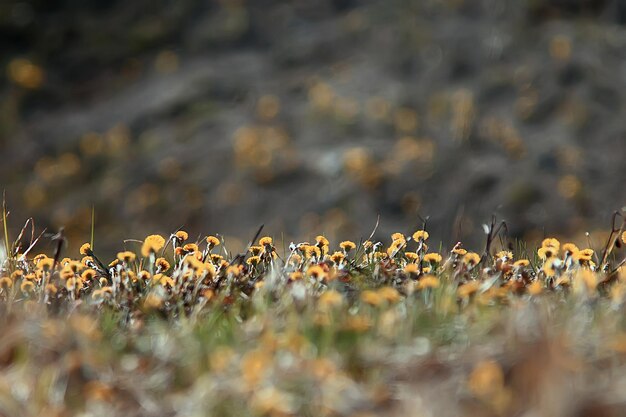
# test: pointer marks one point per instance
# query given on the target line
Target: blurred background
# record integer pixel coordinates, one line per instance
(312, 116)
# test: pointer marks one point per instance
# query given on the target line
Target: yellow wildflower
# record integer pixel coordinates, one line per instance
(390, 294)
(6, 283)
(421, 235)
(27, 286)
(181, 235)
(253, 260)
(432, 258)
(88, 274)
(337, 257)
(411, 269)
(428, 281)
(504, 255)
(85, 249)
(468, 289)
(321, 241)
(570, 249)
(212, 241)
(471, 259)
(372, 298)
(546, 252)
(126, 257)
(535, 288)
(152, 244)
(347, 246)
(551, 243)
(316, 272)
(329, 299)
(162, 264)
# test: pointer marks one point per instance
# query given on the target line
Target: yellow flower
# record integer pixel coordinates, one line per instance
(102, 292)
(316, 272)
(164, 280)
(337, 257)
(372, 298)
(212, 241)
(411, 269)
(486, 380)
(570, 249)
(126, 257)
(586, 253)
(505, 255)
(66, 273)
(432, 258)
(535, 288)
(468, 289)
(255, 250)
(471, 258)
(153, 301)
(152, 244)
(181, 235)
(254, 365)
(358, 323)
(347, 246)
(190, 247)
(295, 276)
(421, 235)
(266, 241)
(521, 263)
(6, 283)
(329, 299)
(546, 252)
(321, 241)
(459, 251)
(583, 257)
(88, 274)
(398, 237)
(162, 264)
(395, 247)
(216, 259)
(551, 243)
(390, 294)
(253, 260)
(411, 256)
(85, 249)
(428, 281)
(27, 286)
(71, 284)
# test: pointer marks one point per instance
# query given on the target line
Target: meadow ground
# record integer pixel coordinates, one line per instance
(174, 327)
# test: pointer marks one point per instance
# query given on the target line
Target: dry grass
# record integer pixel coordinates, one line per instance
(180, 328)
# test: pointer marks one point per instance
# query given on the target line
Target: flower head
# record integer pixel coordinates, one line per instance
(471, 259)
(181, 235)
(212, 241)
(152, 244)
(126, 257)
(432, 258)
(428, 281)
(551, 243)
(85, 249)
(421, 235)
(347, 246)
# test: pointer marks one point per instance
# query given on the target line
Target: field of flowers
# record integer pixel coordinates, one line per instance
(178, 327)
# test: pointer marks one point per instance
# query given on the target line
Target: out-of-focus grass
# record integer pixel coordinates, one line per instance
(180, 328)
